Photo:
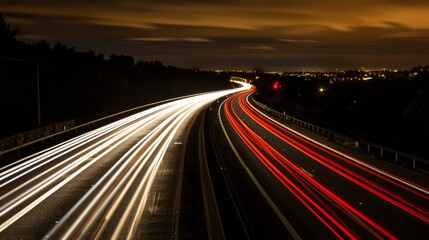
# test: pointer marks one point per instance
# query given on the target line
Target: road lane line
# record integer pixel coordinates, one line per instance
(276, 210)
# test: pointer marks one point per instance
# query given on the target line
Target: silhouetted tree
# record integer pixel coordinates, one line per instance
(78, 85)
(417, 111)
(8, 40)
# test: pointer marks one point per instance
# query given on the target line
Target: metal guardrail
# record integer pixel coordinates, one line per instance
(19, 139)
(85, 125)
(376, 150)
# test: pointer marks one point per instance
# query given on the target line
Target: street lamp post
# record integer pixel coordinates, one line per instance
(37, 83)
(39, 115)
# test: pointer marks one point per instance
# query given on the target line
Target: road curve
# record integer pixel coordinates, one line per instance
(314, 189)
(121, 180)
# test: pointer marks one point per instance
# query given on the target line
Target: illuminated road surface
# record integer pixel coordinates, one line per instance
(114, 182)
(314, 190)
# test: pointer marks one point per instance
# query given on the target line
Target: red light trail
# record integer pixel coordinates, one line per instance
(334, 212)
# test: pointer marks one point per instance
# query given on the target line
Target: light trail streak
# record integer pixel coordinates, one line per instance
(11, 205)
(61, 149)
(359, 180)
(31, 180)
(18, 164)
(258, 147)
(369, 168)
(318, 199)
(94, 149)
(162, 136)
(258, 185)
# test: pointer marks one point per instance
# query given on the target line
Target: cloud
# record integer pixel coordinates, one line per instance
(33, 37)
(170, 39)
(259, 47)
(298, 40)
(270, 34)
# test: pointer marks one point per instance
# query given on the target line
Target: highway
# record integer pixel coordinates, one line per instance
(280, 181)
(270, 179)
(122, 180)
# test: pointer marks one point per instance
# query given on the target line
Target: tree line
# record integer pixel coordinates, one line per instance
(77, 84)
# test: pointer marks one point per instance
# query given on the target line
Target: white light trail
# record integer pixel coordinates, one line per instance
(31, 180)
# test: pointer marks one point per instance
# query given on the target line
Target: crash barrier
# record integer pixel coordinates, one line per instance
(385, 153)
(16, 143)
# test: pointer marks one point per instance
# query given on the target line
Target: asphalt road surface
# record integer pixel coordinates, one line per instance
(269, 180)
(122, 180)
(279, 181)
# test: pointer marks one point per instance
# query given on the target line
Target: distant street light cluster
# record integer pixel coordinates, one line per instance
(357, 75)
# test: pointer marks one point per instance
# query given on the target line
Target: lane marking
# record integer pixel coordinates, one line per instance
(276, 210)
(307, 172)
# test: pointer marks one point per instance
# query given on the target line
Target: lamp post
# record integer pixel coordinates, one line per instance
(39, 117)
(37, 83)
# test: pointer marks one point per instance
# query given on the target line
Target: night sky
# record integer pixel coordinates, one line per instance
(235, 34)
